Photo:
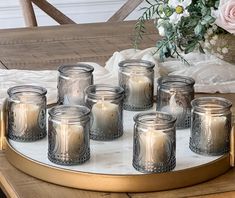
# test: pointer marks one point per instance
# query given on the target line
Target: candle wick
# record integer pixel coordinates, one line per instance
(64, 135)
(133, 73)
(102, 102)
(155, 120)
(172, 100)
(208, 121)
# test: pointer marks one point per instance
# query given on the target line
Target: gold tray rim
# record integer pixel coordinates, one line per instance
(116, 182)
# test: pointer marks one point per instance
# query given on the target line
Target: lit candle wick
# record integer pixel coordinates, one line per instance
(64, 133)
(174, 107)
(105, 118)
(140, 90)
(102, 102)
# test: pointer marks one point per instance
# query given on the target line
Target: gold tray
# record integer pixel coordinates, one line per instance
(118, 182)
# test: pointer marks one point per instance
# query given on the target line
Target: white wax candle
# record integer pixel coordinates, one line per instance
(69, 139)
(105, 117)
(73, 98)
(155, 146)
(173, 108)
(140, 87)
(26, 117)
(215, 133)
(74, 94)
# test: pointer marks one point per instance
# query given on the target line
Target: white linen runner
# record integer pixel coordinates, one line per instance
(210, 73)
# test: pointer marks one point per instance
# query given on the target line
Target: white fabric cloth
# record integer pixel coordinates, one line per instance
(45, 78)
(210, 73)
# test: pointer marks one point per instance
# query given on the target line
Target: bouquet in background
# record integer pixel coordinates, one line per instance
(189, 25)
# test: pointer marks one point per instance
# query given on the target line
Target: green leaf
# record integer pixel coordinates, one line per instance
(207, 19)
(198, 29)
(168, 11)
(205, 11)
(216, 4)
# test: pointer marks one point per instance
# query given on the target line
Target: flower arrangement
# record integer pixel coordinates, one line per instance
(187, 25)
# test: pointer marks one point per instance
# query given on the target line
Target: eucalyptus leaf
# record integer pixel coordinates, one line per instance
(198, 29)
(186, 35)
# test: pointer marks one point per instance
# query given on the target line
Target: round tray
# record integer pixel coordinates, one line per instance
(110, 167)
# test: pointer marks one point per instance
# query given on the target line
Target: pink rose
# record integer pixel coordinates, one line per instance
(226, 15)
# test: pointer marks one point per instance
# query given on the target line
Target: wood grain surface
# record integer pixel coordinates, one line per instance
(49, 47)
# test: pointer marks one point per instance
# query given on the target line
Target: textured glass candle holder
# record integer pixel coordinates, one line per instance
(174, 96)
(106, 104)
(68, 135)
(211, 126)
(154, 142)
(136, 78)
(26, 113)
(72, 81)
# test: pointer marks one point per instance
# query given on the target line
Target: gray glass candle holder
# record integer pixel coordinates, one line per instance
(154, 142)
(106, 104)
(68, 135)
(136, 78)
(174, 96)
(26, 113)
(72, 81)
(211, 126)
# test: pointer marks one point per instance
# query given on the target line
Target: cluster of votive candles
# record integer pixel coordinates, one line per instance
(95, 111)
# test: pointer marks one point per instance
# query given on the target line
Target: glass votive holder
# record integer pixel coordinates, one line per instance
(154, 142)
(72, 81)
(26, 113)
(136, 77)
(68, 135)
(174, 96)
(211, 126)
(106, 104)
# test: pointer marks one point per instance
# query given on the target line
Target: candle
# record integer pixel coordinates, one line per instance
(28, 119)
(154, 142)
(73, 98)
(74, 94)
(69, 140)
(105, 118)
(72, 81)
(155, 146)
(68, 134)
(105, 102)
(174, 108)
(215, 135)
(174, 96)
(136, 77)
(26, 113)
(211, 126)
(140, 90)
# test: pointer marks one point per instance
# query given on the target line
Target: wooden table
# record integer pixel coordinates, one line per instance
(49, 47)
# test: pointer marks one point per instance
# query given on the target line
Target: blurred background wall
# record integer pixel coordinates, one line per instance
(81, 11)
